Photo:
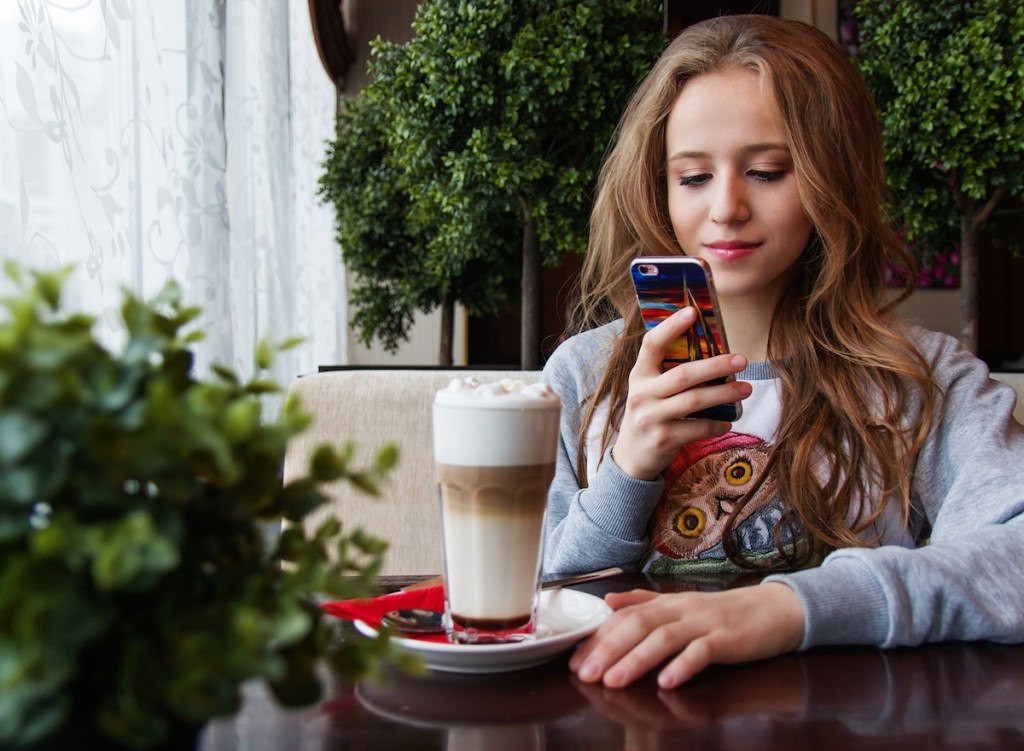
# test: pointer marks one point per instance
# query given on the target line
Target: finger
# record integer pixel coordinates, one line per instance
(604, 647)
(775, 626)
(697, 655)
(655, 343)
(659, 644)
(619, 600)
(634, 643)
(699, 398)
(616, 601)
(698, 372)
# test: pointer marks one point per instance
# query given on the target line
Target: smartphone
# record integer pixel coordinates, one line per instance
(663, 285)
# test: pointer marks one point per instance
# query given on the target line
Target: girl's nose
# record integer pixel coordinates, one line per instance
(729, 203)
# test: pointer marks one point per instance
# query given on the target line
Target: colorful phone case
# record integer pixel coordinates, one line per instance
(666, 284)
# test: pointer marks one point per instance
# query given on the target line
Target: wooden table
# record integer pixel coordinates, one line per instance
(945, 696)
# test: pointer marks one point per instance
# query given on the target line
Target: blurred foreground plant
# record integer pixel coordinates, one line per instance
(138, 589)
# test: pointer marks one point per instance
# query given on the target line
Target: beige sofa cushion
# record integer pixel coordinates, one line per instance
(373, 407)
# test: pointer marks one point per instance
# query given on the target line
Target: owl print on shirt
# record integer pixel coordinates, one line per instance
(704, 486)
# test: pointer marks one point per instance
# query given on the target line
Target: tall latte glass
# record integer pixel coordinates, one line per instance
(495, 447)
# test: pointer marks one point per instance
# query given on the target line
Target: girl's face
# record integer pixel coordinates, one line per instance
(732, 192)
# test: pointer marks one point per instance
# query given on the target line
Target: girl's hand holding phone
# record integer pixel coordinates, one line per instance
(654, 424)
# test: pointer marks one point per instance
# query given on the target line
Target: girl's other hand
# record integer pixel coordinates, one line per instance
(694, 629)
(654, 424)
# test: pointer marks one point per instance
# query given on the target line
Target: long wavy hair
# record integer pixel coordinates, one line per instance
(850, 377)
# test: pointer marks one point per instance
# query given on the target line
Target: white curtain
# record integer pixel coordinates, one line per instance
(144, 140)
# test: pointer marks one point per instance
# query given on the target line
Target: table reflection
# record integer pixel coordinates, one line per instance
(931, 697)
(947, 696)
(502, 711)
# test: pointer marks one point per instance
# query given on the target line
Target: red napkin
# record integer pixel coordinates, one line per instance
(369, 610)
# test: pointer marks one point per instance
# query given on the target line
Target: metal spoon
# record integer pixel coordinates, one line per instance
(424, 621)
(414, 620)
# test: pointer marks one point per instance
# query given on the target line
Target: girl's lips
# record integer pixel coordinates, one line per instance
(731, 249)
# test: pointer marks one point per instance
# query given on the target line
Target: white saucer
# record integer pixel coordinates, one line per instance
(564, 618)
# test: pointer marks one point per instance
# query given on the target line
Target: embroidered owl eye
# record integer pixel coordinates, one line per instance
(690, 522)
(739, 472)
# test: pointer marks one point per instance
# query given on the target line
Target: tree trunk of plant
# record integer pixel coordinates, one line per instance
(969, 239)
(529, 339)
(972, 218)
(444, 357)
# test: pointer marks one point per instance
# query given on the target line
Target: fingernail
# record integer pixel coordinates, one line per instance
(665, 680)
(588, 672)
(614, 678)
(738, 361)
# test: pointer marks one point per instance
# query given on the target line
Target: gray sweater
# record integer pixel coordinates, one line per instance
(967, 496)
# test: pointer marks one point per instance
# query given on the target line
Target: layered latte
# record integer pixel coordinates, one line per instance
(495, 448)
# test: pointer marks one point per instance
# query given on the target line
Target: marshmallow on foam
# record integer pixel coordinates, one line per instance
(503, 423)
(460, 388)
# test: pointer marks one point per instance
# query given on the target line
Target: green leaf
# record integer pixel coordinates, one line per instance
(131, 554)
(224, 373)
(49, 285)
(387, 459)
(240, 420)
(327, 463)
(21, 486)
(20, 433)
(13, 525)
(289, 626)
(263, 386)
(264, 355)
(367, 483)
(290, 543)
(328, 529)
(291, 343)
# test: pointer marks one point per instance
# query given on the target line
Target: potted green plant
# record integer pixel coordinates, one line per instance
(139, 588)
(948, 80)
(470, 160)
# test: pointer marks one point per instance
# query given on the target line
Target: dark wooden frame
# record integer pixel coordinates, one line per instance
(331, 39)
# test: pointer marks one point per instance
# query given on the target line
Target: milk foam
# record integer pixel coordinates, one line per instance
(462, 391)
(500, 424)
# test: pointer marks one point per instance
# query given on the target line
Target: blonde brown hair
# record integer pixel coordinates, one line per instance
(849, 375)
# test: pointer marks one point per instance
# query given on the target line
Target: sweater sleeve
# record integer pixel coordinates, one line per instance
(965, 583)
(605, 523)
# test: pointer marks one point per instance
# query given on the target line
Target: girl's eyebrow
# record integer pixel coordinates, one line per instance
(754, 148)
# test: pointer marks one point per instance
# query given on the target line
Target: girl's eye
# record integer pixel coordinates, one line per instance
(691, 180)
(766, 176)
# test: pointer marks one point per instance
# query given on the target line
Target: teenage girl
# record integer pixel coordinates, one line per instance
(875, 471)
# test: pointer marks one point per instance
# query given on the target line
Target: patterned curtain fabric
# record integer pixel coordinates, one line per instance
(146, 140)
